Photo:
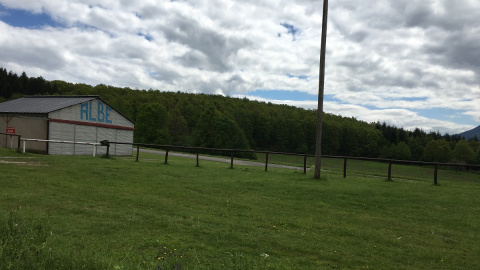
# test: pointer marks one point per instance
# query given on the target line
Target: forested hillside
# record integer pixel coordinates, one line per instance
(471, 134)
(225, 122)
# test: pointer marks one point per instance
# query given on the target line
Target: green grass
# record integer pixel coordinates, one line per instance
(97, 213)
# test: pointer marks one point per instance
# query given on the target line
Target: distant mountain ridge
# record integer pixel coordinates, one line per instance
(471, 133)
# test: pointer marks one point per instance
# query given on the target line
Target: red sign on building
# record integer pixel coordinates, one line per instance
(10, 130)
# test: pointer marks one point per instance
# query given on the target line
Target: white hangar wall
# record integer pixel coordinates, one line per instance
(91, 121)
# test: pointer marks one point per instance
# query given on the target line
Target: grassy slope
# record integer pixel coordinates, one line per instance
(123, 214)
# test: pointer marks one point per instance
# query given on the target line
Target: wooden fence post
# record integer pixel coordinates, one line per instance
(305, 164)
(435, 174)
(166, 156)
(345, 168)
(389, 171)
(231, 160)
(138, 151)
(266, 162)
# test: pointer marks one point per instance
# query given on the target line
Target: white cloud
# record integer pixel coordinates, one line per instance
(393, 55)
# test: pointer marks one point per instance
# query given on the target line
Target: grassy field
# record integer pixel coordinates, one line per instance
(97, 213)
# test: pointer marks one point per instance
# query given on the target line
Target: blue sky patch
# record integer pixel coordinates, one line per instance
(413, 98)
(301, 77)
(292, 30)
(283, 95)
(26, 19)
(452, 115)
(147, 37)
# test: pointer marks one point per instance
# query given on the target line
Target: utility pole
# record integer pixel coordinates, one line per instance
(321, 84)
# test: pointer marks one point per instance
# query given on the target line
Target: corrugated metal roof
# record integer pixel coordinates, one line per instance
(42, 104)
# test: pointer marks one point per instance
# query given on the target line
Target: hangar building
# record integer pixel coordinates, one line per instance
(66, 118)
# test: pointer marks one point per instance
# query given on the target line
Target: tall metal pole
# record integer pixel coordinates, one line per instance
(321, 83)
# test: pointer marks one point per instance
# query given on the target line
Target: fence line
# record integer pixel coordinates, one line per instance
(197, 150)
(55, 141)
(167, 148)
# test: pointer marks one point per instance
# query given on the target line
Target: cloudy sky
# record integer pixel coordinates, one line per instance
(410, 63)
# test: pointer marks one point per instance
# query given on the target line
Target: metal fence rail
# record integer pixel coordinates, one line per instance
(390, 162)
(55, 141)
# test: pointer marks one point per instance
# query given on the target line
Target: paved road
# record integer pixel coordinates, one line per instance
(225, 160)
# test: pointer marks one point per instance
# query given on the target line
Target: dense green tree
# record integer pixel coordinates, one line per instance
(24, 82)
(310, 130)
(241, 114)
(390, 133)
(178, 127)
(416, 148)
(402, 151)
(431, 151)
(387, 152)
(402, 135)
(262, 129)
(474, 144)
(463, 153)
(349, 141)
(330, 137)
(151, 125)
(446, 153)
(438, 151)
(435, 135)
(476, 160)
(418, 133)
(9, 84)
(372, 142)
(219, 130)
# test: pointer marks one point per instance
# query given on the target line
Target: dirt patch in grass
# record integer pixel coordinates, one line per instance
(22, 163)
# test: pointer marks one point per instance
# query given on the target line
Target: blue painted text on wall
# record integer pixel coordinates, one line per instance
(101, 115)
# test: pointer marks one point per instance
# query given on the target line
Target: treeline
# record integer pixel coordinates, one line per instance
(216, 121)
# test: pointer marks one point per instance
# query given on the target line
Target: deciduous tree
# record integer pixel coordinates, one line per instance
(463, 153)
(151, 124)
